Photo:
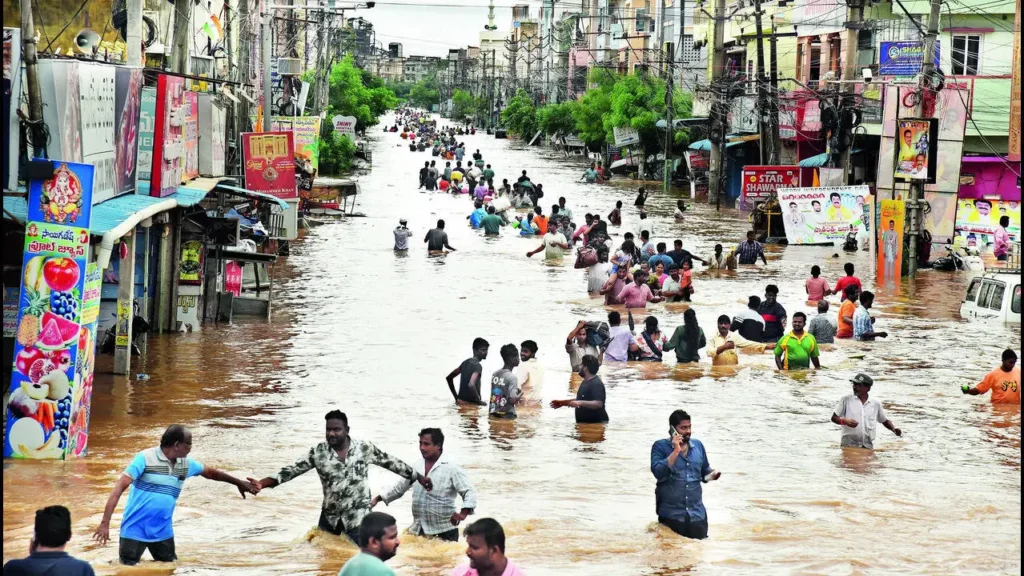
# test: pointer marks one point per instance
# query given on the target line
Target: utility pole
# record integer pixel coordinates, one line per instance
(773, 118)
(715, 168)
(670, 54)
(35, 98)
(855, 16)
(268, 94)
(926, 90)
(182, 27)
(134, 30)
(661, 35)
(763, 111)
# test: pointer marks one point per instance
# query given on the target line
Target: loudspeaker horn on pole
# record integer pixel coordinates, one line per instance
(87, 41)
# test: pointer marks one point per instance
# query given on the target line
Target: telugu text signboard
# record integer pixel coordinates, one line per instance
(305, 135)
(53, 349)
(760, 182)
(822, 215)
(270, 163)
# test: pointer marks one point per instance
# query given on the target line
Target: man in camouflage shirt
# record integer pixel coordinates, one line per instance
(343, 463)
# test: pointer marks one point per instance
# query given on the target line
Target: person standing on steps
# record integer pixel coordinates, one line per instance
(343, 464)
(680, 465)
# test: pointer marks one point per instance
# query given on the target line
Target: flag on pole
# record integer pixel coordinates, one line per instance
(213, 29)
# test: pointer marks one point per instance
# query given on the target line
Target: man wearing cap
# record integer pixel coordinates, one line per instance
(402, 235)
(859, 416)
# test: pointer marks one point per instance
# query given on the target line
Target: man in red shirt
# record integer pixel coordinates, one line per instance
(848, 280)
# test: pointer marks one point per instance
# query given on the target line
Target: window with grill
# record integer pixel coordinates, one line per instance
(966, 54)
(815, 67)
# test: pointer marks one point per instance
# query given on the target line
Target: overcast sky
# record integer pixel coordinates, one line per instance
(431, 27)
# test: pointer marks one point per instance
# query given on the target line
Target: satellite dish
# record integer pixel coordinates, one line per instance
(87, 41)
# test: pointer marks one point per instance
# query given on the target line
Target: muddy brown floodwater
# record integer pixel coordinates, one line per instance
(358, 328)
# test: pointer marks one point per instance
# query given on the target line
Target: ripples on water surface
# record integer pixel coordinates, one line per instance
(358, 328)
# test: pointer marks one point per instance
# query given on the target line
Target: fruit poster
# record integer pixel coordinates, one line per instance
(81, 392)
(823, 215)
(890, 241)
(270, 163)
(50, 341)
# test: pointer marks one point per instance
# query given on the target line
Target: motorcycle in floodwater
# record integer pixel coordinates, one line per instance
(139, 327)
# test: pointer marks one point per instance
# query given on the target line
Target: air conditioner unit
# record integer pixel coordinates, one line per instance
(289, 66)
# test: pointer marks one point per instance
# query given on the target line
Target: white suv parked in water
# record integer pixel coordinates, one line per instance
(993, 296)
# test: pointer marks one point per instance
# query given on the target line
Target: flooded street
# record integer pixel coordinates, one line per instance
(360, 329)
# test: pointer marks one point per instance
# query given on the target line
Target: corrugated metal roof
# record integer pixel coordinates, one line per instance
(255, 194)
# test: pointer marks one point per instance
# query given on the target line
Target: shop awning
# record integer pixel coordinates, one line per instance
(115, 212)
(820, 160)
(253, 194)
(730, 141)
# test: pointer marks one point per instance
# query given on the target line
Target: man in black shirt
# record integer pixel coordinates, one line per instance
(437, 239)
(773, 313)
(678, 255)
(469, 375)
(590, 398)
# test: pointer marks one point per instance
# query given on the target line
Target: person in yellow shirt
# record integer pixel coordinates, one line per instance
(908, 152)
(1004, 381)
(722, 348)
(836, 211)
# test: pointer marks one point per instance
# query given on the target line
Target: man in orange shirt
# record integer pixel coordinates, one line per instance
(846, 311)
(540, 222)
(1004, 381)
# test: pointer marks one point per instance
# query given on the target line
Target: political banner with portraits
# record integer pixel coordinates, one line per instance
(978, 219)
(823, 215)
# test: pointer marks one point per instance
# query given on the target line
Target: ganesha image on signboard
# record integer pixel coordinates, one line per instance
(61, 196)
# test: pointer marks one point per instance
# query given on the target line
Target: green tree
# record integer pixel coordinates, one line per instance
(463, 105)
(425, 93)
(520, 115)
(636, 102)
(593, 106)
(337, 152)
(557, 118)
(349, 96)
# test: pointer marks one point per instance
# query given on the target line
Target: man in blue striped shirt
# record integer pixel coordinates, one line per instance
(156, 476)
(680, 465)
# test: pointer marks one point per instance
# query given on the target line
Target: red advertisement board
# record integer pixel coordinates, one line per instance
(270, 163)
(760, 182)
(168, 137)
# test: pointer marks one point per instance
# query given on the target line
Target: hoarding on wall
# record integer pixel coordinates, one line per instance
(977, 220)
(760, 182)
(305, 136)
(53, 348)
(941, 216)
(233, 278)
(97, 92)
(127, 93)
(270, 163)
(81, 393)
(212, 136)
(9, 111)
(345, 125)
(147, 126)
(698, 163)
(904, 58)
(626, 136)
(168, 137)
(191, 264)
(917, 139)
(1015, 87)
(890, 241)
(190, 135)
(59, 86)
(823, 215)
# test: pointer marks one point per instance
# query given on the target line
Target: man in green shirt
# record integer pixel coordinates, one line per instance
(488, 174)
(378, 541)
(798, 349)
(491, 222)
